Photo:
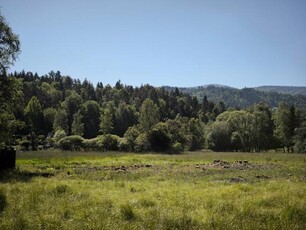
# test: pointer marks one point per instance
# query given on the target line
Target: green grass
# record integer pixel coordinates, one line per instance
(90, 190)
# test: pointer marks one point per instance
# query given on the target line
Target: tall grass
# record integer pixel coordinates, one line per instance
(67, 190)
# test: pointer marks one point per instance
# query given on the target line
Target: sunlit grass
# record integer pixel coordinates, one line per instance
(81, 190)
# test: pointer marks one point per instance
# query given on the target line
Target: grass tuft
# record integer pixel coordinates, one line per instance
(127, 212)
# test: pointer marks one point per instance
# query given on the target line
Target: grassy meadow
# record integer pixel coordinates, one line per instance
(198, 190)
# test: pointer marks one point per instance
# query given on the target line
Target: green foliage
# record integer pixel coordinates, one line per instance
(245, 97)
(34, 114)
(125, 117)
(196, 134)
(219, 138)
(159, 138)
(91, 115)
(74, 142)
(148, 118)
(10, 103)
(131, 135)
(108, 142)
(59, 134)
(177, 147)
(149, 114)
(142, 143)
(72, 104)
(61, 121)
(91, 144)
(77, 127)
(123, 144)
(262, 127)
(49, 117)
(300, 139)
(292, 90)
(25, 144)
(106, 122)
(8, 126)
(285, 121)
(10, 45)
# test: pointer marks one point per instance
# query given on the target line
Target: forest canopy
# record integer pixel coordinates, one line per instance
(58, 111)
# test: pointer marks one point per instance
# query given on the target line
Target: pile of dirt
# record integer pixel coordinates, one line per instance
(118, 169)
(241, 164)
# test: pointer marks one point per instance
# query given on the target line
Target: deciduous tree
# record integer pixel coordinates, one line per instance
(34, 115)
(149, 114)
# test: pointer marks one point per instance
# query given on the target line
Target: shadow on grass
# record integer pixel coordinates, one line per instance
(16, 175)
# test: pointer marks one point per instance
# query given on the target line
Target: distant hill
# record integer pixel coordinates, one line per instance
(242, 97)
(293, 90)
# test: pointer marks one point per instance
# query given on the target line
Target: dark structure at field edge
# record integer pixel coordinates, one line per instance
(7, 158)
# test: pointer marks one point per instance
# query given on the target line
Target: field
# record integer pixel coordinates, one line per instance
(201, 190)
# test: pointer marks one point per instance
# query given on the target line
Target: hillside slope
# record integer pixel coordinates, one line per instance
(292, 90)
(242, 97)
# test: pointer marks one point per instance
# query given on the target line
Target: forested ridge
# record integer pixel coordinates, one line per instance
(248, 96)
(292, 90)
(58, 111)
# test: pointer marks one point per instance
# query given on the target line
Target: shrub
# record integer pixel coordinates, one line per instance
(41, 140)
(159, 139)
(177, 147)
(142, 143)
(91, 144)
(74, 142)
(25, 145)
(123, 144)
(108, 142)
(59, 134)
(131, 135)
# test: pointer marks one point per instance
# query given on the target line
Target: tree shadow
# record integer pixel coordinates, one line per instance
(16, 175)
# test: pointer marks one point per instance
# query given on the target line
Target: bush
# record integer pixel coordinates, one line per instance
(91, 144)
(219, 139)
(159, 139)
(177, 147)
(74, 142)
(108, 142)
(25, 145)
(41, 140)
(59, 134)
(131, 135)
(123, 144)
(142, 143)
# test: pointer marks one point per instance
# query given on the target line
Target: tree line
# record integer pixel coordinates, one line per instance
(59, 111)
(247, 97)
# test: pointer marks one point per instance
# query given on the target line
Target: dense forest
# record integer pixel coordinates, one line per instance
(246, 97)
(293, 90)
(56, 111)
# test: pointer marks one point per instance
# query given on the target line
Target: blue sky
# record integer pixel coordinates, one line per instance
(240, 43)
